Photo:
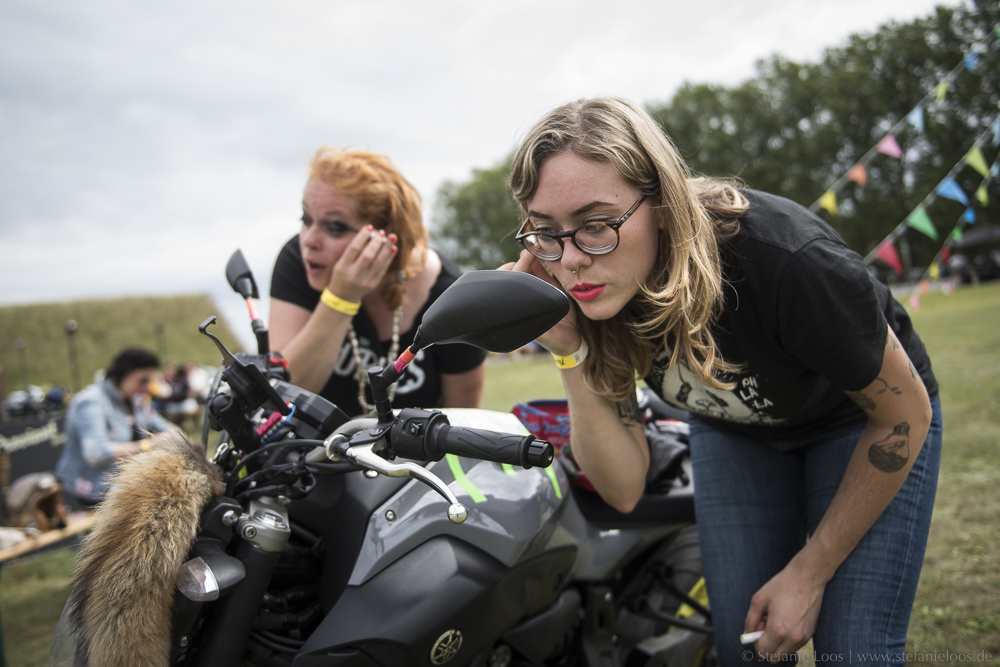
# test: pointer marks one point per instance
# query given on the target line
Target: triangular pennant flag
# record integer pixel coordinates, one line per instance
(858, 174)
(996, 131)
(889, 146)
(829, 202)
(976, 160)
(970, 61)
(920, 221)
(945, 253)
(916, 118)
(952, 190)
(970, 216)
(956, 234)
(941, 90)
(982, 195)
(914, 301)
(997, 31)
(934, 271)
(887, 253)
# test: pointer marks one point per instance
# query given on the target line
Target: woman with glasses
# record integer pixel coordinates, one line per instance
(349, 290)
(815, 422)
(106, 422)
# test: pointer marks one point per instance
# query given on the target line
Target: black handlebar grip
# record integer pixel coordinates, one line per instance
(523, 450)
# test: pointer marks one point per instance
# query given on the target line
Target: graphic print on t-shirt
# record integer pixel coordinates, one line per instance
(743, 404)
(413, 376)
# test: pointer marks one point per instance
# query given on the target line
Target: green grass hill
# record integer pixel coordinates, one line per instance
(165, 325)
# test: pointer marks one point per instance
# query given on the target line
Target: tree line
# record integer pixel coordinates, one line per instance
(796, 128)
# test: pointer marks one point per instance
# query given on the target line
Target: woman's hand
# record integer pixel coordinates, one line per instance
(786, 608)
(363, 265)
(564, 338)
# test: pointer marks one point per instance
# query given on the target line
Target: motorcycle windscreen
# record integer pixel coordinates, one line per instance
(64, 651)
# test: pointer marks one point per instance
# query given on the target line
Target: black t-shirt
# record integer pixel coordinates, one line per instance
(807, 321)
(420, 385)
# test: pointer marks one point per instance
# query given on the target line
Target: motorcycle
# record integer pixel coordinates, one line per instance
(408, 537)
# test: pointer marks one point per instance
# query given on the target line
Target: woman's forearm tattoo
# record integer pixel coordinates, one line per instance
(866, 402)
(863, 400)
(886, 385)
(893, 451)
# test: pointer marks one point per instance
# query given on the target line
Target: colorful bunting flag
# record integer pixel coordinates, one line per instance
(970, 216)
(914, 301)
(888, 146)
(945, 253)
(976, 160)
(934, 271)
(956, 234)
(916, 118)
(952, 190)
(982, 195)
(887, 253)
(996, 131)
(920, 221)
(942, 90)
(970, 61)
(829, 202)
(858, 174)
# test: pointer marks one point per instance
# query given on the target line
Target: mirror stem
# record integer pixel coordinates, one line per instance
(380, 379)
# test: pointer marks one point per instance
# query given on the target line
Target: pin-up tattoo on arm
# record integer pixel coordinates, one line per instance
(628, 409)
(893, 451)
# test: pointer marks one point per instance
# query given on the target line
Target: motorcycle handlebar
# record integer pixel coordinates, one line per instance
(427, 436)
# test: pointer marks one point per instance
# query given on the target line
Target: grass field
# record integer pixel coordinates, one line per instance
(165, 325)
(956, 618)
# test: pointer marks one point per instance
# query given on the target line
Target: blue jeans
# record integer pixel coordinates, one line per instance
(756, 503)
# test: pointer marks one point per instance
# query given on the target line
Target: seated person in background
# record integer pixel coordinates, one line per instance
(349, 290)
(105, 422)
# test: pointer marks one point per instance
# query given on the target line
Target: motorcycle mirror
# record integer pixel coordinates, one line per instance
(498, 311)
(240, 277)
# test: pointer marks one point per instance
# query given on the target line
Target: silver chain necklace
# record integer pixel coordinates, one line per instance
(359, 368)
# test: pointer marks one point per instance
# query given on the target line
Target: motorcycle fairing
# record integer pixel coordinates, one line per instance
(443, 584)
(516, 519)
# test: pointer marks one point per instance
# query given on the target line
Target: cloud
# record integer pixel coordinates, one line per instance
(140, 144)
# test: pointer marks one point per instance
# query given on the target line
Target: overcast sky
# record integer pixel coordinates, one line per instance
(141, 143)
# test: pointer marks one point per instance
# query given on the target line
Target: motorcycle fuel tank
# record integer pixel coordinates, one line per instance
(513, 512)
(425, 591)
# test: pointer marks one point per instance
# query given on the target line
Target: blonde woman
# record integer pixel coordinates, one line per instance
(349, 290)
(815, 425)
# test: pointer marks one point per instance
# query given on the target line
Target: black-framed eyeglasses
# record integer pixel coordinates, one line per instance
(593, 238)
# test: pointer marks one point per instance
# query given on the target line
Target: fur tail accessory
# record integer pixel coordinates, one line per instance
(145, 526)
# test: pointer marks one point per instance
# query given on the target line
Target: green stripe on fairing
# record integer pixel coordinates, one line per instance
(456, 470)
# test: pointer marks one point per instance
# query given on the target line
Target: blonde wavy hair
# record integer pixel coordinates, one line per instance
(682, 295)
(383, 199)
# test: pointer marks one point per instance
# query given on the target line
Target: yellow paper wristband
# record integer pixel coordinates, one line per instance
(340, 305)
(572, 360)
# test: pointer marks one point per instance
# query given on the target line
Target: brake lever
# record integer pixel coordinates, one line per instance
(362, 455)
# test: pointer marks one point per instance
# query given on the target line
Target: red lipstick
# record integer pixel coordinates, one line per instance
(586, 291)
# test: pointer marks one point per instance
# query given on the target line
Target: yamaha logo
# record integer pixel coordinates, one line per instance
(446, 647)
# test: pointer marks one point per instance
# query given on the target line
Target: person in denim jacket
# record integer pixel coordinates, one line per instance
(106, 422)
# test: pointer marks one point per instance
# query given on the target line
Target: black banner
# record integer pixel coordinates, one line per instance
(33, 444)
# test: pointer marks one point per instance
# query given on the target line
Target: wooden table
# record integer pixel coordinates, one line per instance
(78, 523)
